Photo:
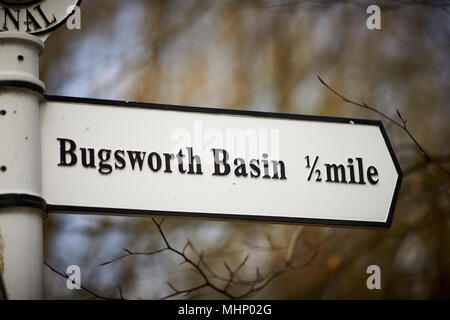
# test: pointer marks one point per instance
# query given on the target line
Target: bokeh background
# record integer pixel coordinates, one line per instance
(265, 55)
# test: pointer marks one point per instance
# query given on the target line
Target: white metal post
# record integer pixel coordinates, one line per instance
(21, 207)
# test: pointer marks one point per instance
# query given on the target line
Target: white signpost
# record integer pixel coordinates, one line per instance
(74, 155)
(114, 157)
(36, 17)
(24, 25)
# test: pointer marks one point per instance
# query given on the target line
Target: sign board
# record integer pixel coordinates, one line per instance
(112, 157)
(35, 16)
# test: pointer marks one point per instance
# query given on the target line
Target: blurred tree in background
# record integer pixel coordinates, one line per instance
(265, 55)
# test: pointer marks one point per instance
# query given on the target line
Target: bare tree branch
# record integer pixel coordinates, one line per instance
(129, 253)
(401, 124)
(206, 273)
(93, 294)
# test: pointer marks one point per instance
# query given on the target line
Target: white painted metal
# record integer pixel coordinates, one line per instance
(247, 137)
(34, 17)
(21, 234)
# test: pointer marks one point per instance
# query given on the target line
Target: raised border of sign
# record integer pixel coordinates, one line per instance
(9, 200)
(52, 27)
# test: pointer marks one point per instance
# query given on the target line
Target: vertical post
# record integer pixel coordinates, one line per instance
(21, 207)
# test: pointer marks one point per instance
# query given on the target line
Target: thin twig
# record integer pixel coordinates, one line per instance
(129, 253)
(92, 293)
(401, 124)
(203, 269)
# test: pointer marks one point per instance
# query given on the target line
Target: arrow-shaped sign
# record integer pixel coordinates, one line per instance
(113, 157)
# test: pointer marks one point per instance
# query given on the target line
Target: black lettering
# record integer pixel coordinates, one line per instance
(240, 170)
(256, 172)
(64, 152)
(152, 166)
(167, 158)
(136, 156)
(14, 20)
(84, 160)
(120, 161)
(361, 171)
(351, 170)
(31, 20)
(180, 157)
(104, 155)
(223, 162)
(335, 177)
(276, 165)
(265, 166)
(44, 17)
(193, 158)
(371, 174)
